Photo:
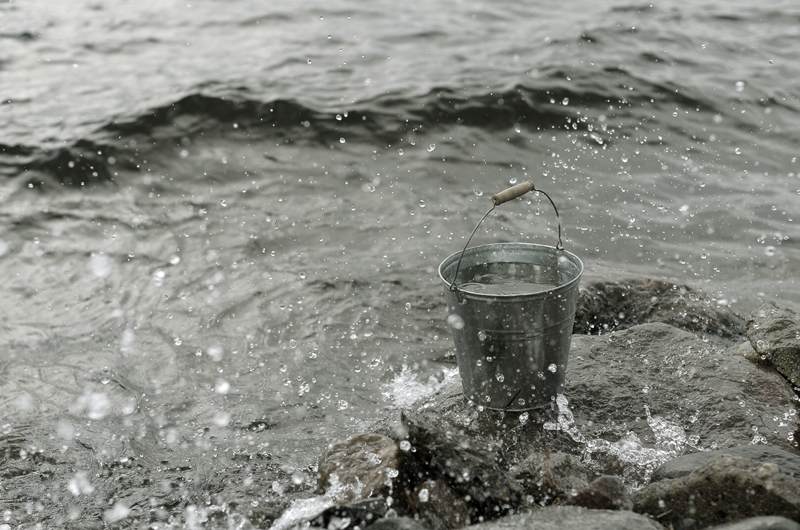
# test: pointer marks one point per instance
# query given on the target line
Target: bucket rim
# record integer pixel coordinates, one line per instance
(541, 294)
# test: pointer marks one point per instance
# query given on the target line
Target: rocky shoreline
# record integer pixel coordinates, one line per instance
(676, 413)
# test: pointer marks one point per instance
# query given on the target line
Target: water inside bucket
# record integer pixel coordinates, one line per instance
(507, 278)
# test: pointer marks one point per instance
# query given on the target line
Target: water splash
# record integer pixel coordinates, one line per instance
(404, 390)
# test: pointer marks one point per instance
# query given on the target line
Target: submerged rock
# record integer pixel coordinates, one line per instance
(549, 477)
(360, 467)
(571, 518)
(604, 493)
(726, 489)
(605, 306)
(774, 333)
(787, 462)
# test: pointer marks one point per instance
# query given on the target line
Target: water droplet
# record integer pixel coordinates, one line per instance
(517, 127)
(100, 264)
(342, 140)
(739, 86)
(478, 193)
(769, 251)
(405, 445)
(421, 203)
(339, 117)
(482, 337)
(424, 495)
(553, 368)
(523, 418)
(738, 151)
(302, 275)
(513, 180)
(224, 203)
(222, 387)
(215, 352)
(400, 152)
(282, 368)
(222, 418)
(703, 255)
(342, 405)
(500, 377)
(174, 260)
(178, 341)
(565, 101)
(431, 147)
(408, 306)
(293, 344)
(455, 321)
(297, 478)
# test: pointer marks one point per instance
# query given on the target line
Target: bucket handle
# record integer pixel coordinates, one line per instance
(497, 199)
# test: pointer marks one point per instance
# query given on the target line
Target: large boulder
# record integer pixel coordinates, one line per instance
(726, 489)
(633, 400)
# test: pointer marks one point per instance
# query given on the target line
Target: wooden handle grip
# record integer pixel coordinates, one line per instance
(513, 192)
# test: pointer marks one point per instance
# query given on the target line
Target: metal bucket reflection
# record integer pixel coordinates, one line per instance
(512, 341)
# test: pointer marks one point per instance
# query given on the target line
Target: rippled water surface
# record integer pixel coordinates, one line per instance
(220, 222)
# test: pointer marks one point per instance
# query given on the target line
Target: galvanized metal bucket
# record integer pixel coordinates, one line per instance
(512, 308)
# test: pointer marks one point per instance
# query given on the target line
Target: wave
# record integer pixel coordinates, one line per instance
(555, 98)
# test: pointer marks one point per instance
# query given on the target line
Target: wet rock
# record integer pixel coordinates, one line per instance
(397, 523)
(360, 513)
(634, 399)
(549, 477)
(726, 489)
(787, 462)
(438, 506)
(604, 493)
(571, 518)
(470, 470)
(774, 333)
(605, 305)
(760, 523)
(360, 467)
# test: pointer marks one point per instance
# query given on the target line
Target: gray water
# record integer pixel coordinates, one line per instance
(220, 223)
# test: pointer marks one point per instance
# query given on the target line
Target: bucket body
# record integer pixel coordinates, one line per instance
(512, 341)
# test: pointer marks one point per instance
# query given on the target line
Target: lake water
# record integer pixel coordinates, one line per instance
(220, 222)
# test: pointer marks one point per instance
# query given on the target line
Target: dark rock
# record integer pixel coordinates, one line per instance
(774, 333)
(549, 477)
(726, 489)
(788, 463)
(760, 523)
(360, 467)
(605, 305)
(472, 472)
(397, 523)
(438, 506)
(571, 518)
(360, 513)
(604, 493)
